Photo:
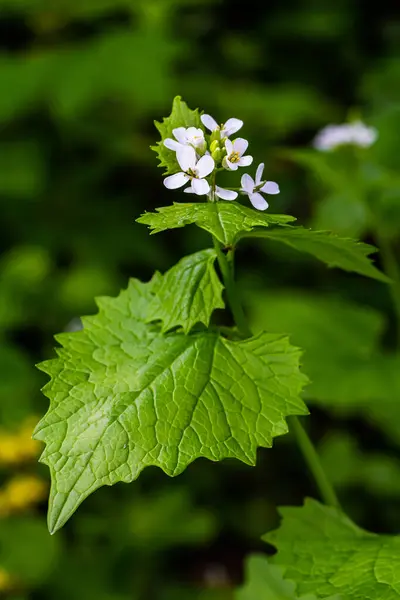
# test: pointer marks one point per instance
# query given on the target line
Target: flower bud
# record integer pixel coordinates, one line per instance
(214, 146)
(217, 154)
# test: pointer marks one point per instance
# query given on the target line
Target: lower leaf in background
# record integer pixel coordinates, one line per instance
(325, 553)
(265, 581)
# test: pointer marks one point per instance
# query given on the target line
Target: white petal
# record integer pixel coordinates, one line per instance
(245, 161)
(270, 188)
(209, 122)
(229, 165)
(175, 181)
(258, 201)
(240, 145)
(172, 144)
(205, 165)
(259, 173)
(225, 194)
(189, 190)
(228, 147)
(180, 134)
(200, 186)
(186, 157)
(231, 126)
(247, 183)
(191, 132)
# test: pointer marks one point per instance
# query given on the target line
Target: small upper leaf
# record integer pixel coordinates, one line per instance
(222, 219)
(345, 253)
(188, 293)
(325, 553)
(123, 396)
(181, 116)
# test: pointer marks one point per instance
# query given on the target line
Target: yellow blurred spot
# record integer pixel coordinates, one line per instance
(5, 580)
(21, 493)
(19, 447)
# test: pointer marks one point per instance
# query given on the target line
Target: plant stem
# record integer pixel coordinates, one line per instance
(231, 292)
(309, 452)
(314, 464)
(392, 270)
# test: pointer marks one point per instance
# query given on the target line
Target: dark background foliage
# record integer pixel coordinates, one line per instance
(81, 83)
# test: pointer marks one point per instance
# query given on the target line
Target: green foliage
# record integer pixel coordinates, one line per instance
(265, 582)
(70, 82)
(124, 397)
(181, 116)
(349, 372)
(345, 253)
(20, 541)
(188, 293)
(169, 519)
(226, 221)
(348, 467)
(338, 352)
(325, 553)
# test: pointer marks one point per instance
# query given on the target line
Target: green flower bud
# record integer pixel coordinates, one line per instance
(217, 154)
(214, 146)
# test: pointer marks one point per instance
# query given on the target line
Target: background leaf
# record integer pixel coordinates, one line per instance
(265, 582)
(324, 553)
(345, 253)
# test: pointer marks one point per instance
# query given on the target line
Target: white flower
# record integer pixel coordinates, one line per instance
(356, 133)
(226, 129)
(234, 154)
(186, 136)
(193, 170)
(219, 191)
(253, 188)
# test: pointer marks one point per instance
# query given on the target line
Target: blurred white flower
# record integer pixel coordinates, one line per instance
(226, 129)
(355, 133)
(186, 136)
(193, 170)
(222, 193)
(253, 188)
(234, 154)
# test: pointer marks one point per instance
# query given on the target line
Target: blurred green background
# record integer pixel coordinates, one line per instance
(81, 83)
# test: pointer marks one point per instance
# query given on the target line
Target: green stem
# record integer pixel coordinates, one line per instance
(314, 464)
(309, 452)
(231, 292)
(392, 270)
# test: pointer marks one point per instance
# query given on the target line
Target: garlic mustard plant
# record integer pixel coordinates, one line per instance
(154, 379)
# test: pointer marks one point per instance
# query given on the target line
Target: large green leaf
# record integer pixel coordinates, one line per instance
(181, 116)
(222, 219)
(345, 253)
(325, 553)
(188, 293)
(123, 396)
(265, 581)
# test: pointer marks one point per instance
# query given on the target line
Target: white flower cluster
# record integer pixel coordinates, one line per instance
(355, 133)
(200, 159)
